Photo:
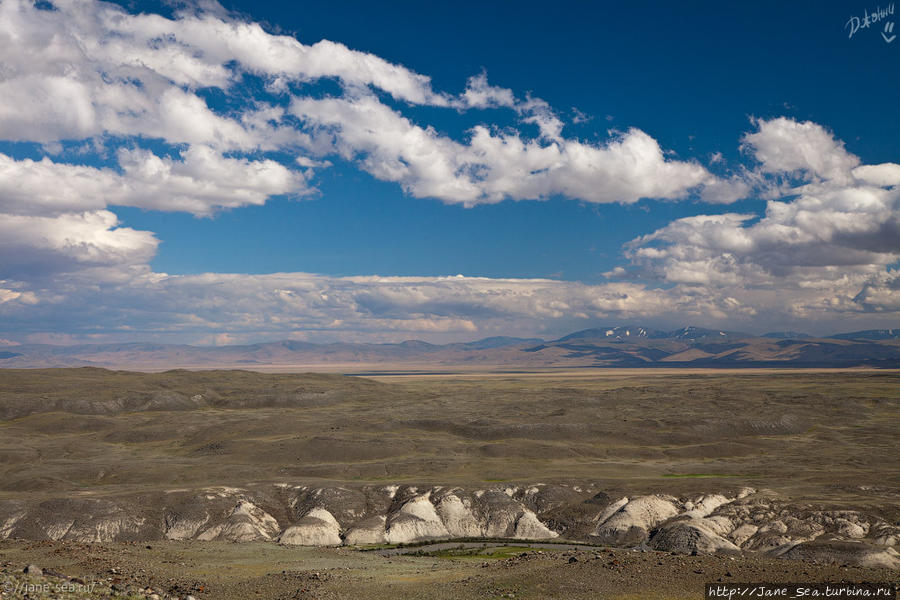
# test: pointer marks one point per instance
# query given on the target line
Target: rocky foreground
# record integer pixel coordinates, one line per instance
(173, 570)
(735, 521)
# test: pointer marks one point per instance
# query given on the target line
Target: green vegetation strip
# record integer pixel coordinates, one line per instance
(473, 540)
(700, 475)
(483, 553)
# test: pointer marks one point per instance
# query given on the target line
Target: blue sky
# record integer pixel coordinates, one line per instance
(578, 164)
(691, 76)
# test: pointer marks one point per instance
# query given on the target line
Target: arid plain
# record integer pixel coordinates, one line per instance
(146, 481)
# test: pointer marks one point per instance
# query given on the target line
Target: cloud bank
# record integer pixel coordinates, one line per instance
(90, 70)
(119, 106)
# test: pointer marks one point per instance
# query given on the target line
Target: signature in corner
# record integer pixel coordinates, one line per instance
(855, 23)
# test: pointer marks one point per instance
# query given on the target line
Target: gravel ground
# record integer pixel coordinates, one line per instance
(210, 571)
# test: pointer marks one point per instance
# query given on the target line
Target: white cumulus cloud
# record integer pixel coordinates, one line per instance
(831, 244)
(93, 75)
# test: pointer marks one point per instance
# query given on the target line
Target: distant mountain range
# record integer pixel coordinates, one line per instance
(869, 334)
(614, 346)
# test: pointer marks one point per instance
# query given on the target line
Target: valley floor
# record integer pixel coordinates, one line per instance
(143, 482)
(225, 571)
